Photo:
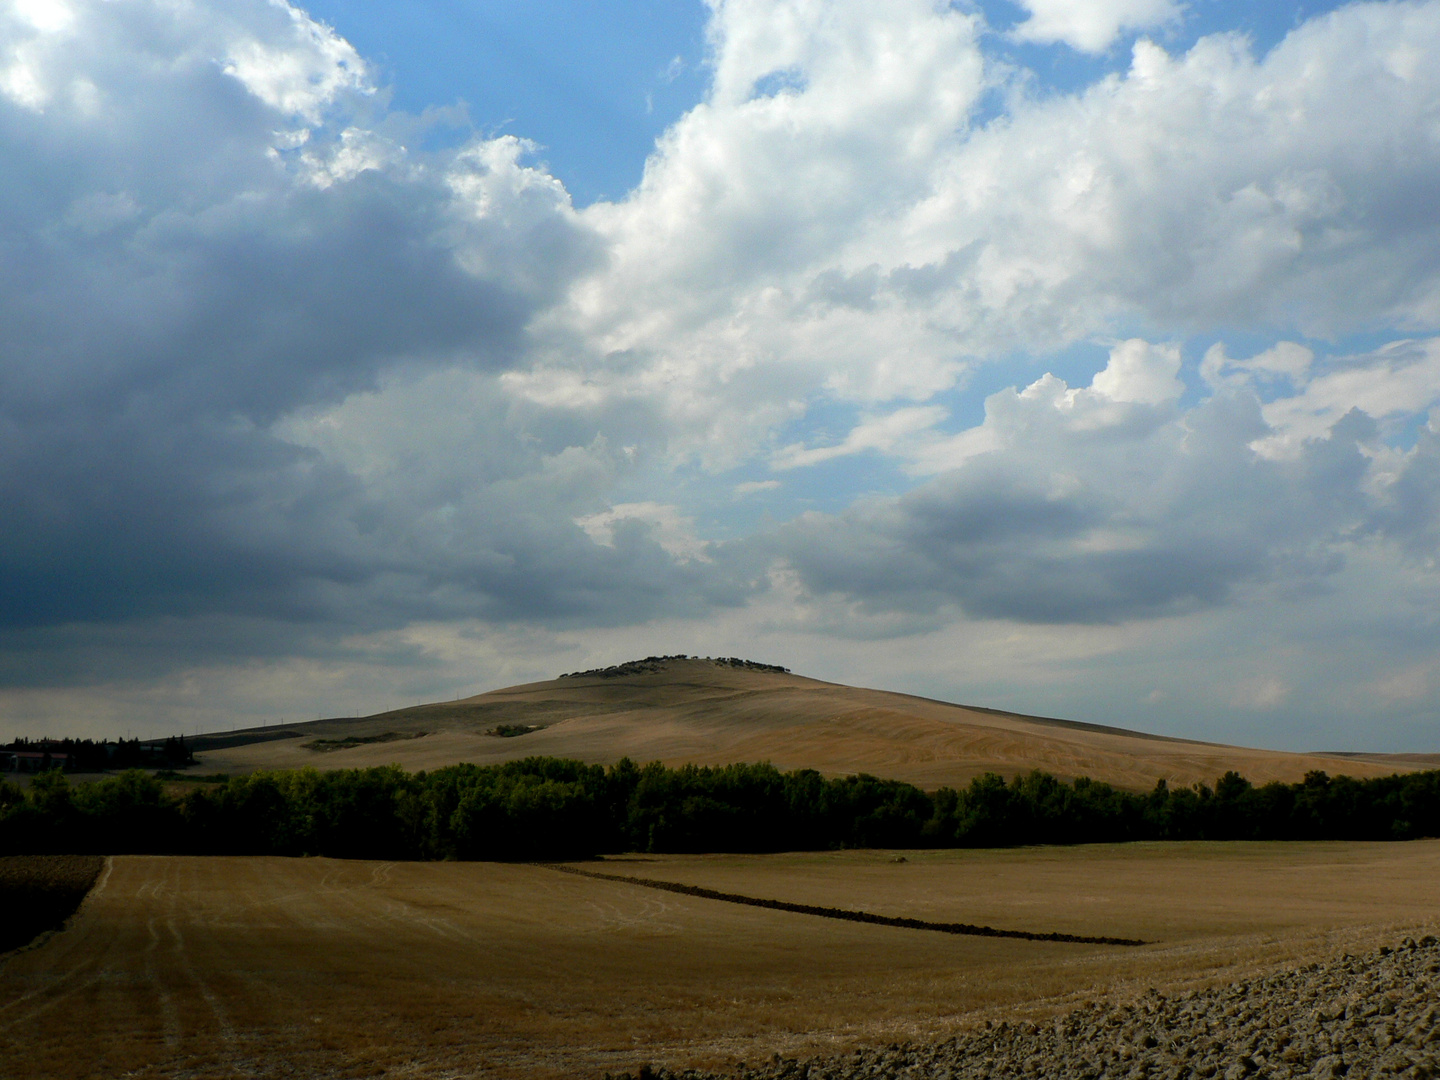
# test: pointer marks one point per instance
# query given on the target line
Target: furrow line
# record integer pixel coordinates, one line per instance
(846, 915)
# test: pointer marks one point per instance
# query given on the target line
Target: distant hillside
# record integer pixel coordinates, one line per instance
(718, 711)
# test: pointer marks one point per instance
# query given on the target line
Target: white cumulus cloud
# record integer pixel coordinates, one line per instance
(1092, 25)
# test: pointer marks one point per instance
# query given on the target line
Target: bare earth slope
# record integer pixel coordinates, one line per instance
(701, 711)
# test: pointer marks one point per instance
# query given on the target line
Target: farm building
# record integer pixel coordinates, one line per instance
(32, 761)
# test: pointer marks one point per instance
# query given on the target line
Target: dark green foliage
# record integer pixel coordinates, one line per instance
(326, 745)
(128, 812)
(548, 808)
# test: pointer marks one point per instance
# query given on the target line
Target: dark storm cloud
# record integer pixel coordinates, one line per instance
(137, 379)
(212, 241)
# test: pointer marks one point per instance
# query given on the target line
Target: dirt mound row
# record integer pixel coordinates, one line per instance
(847, 915)
(39, 892)
(1356, 1016)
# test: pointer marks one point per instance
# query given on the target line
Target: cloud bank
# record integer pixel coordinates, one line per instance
(284, 392)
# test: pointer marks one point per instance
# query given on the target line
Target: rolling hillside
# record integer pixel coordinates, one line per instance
(710, 712)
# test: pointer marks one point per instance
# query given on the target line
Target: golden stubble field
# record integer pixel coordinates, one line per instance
(180, 967)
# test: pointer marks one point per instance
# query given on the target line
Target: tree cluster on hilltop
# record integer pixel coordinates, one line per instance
(548, 808)
(658, 663)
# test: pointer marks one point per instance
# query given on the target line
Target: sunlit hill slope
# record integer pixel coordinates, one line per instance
(716, 712)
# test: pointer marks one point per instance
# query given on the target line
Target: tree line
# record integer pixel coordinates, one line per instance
(90, 755)
(549, 808)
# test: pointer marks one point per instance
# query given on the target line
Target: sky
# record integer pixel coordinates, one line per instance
(1075, 357)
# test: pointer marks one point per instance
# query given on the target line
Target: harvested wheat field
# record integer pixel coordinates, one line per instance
(708, 713)
(1352, 1016)
(268, 966)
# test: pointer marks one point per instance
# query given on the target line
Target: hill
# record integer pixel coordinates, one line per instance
(715, 712)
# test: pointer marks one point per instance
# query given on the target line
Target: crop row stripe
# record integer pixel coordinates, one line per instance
(968, 929)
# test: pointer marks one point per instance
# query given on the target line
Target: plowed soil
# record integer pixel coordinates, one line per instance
(229, 967)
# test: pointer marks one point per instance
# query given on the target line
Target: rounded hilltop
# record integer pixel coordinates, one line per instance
(682, 709)
(661, 663)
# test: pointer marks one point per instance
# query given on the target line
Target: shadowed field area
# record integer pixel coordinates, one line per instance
(39, 892)
(268, 966)
(701, 712)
